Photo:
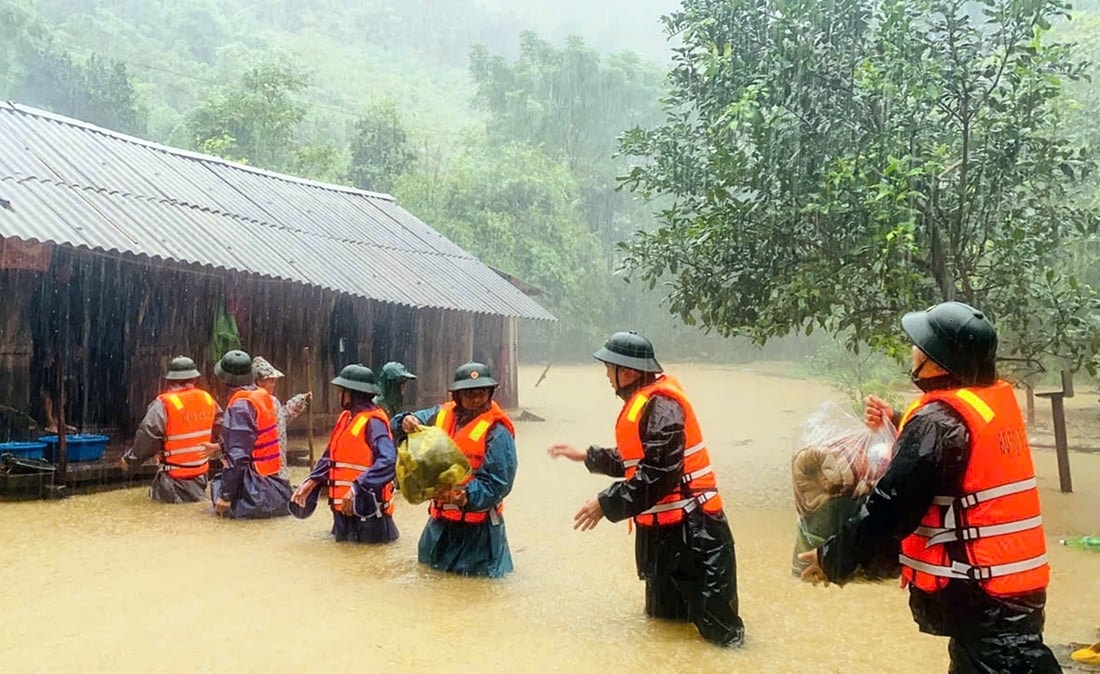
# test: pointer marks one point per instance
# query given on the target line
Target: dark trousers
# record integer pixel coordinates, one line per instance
(690, 574)
(1001, 654)
(716, 618)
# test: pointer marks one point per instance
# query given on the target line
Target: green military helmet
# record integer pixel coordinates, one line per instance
(182, 368)
(630, 350)
(235, 369)
(393, 371)
(958, 338)
(471, 376)
(357, 378)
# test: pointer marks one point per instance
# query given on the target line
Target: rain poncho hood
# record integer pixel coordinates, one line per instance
(390, 380)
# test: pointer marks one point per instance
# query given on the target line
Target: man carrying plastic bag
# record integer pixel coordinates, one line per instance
(961, 498)
(465, 531)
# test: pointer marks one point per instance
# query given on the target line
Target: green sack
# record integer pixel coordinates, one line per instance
(818, 526)
(225, 336)
(429, 461)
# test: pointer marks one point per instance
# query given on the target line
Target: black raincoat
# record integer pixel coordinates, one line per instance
(988, 634)
(689, 568)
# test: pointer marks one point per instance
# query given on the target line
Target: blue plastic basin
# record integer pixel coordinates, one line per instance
(25, 450)
(78, 447)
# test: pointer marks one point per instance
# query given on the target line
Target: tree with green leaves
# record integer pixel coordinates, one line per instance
(96, 90)
(836, 164)
(23, 32)
(573, 104)
(516, 209)
(380, 149)
(256, 121)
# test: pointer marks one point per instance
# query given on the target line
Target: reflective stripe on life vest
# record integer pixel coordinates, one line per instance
(266, 455)
(996, 523)
(472, 439)
(189, 421)
(698, 486)
(960, 571)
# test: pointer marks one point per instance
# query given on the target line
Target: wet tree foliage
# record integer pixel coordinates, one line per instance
(798, 165)
(502, 139)
(832, 164)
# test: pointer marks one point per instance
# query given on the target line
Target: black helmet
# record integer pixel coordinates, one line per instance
(182, 368)
(630, 350)
(235, 368)
(473, 375)
(958, 338)
(357, 378)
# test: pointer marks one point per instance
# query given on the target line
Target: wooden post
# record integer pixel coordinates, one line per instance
(1030, 404)
(309, 406)
(1061, 443)
(86, 322)
(1067, 384)
(510, 359)
(62, 445)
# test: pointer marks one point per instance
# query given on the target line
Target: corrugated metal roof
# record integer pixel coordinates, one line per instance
(72, 183)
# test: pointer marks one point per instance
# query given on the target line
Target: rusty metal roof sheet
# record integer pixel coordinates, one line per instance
(71, 183)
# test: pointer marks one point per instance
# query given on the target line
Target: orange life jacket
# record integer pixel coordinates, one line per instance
(266, 458)
(350, 455)
(698, 486)
(471, 439)
(190, 419)
(997, 518)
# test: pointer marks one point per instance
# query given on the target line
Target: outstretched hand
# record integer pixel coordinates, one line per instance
(589, 515)
(567, 451)
(302, 493)
(210, 450)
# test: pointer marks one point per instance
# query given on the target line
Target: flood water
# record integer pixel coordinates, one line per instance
(113, 582)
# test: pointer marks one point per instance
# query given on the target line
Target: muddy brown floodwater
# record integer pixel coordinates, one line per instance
(112, 582)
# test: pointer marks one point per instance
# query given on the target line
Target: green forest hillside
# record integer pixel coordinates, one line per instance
(502, 123)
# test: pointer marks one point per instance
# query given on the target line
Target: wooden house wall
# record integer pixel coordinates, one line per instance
(156, 312)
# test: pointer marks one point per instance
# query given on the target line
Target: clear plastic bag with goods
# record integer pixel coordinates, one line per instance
(429, 461)
(837, 461)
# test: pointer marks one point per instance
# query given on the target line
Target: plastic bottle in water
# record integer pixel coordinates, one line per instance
(1082, 543)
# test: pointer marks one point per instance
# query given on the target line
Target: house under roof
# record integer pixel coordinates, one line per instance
(66, 182)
